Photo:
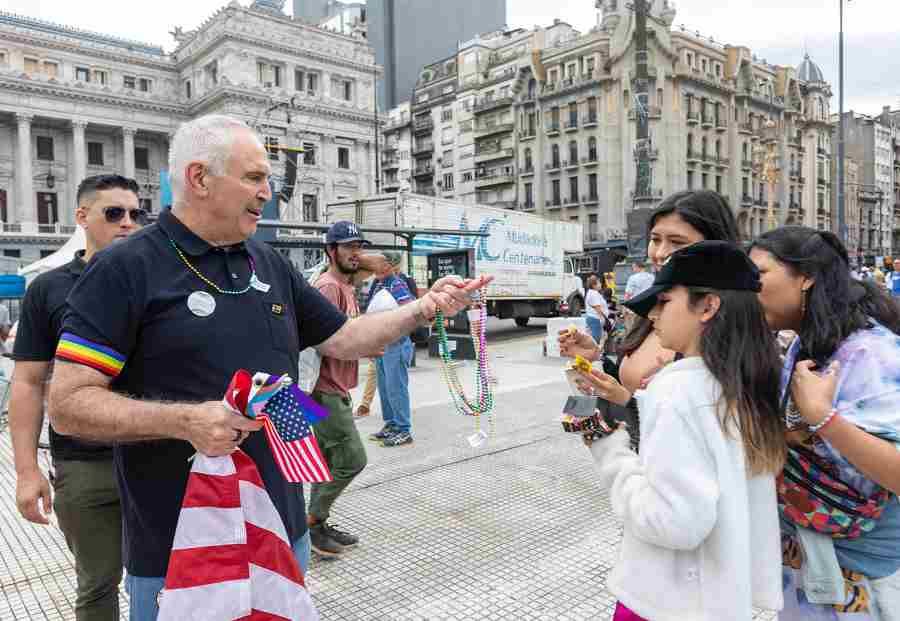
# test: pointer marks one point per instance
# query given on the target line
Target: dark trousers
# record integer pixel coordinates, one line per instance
(90, 516)
(343, 449)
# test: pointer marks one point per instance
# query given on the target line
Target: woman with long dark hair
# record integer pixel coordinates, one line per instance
(681, 219)
(840, 393)
(698, 502)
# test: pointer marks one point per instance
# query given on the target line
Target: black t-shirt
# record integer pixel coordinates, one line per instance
(40, 322)
(131, 306)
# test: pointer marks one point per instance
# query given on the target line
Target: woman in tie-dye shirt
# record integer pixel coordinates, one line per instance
(841, 390)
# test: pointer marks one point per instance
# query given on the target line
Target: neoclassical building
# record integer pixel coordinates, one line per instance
(75, 103)
(545, 121)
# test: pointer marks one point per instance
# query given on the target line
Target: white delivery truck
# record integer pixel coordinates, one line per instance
(526, 254)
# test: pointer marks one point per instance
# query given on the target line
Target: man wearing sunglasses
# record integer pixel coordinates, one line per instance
(87, 499)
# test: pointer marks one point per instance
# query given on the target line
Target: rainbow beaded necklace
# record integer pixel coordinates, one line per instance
(483, 403)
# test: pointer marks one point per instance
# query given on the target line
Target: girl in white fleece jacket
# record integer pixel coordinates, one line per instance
(701, 538)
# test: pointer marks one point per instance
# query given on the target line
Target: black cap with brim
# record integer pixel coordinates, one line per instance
(345, 232)
(714, 264)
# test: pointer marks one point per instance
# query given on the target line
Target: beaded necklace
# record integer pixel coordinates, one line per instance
(213, 285)
(483, 404)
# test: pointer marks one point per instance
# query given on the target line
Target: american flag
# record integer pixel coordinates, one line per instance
(231, 558)
(290, 435)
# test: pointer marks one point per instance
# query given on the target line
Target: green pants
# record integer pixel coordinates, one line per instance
(90, 516)
(343, 450)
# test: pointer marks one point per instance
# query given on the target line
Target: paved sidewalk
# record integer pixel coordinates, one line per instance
(515, 529)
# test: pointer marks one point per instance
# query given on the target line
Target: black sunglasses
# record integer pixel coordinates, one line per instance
(115, 214)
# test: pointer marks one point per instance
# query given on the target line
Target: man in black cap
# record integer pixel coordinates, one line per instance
(337, 435)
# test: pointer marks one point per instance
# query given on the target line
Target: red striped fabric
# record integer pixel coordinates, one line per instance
(232, 561)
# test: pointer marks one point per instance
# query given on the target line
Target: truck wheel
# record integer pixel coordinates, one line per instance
(522, 321)
(576, 306)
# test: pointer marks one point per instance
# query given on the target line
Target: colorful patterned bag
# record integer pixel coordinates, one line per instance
(811, 495)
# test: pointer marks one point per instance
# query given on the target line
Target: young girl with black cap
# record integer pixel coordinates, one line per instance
(698, 502)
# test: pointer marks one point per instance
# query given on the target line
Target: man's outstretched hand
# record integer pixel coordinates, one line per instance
(450, 295)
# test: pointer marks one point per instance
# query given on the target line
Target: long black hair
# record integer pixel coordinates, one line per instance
(706, 211)
(837, 305)
(738, 349)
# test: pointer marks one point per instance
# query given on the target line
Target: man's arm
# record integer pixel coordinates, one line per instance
(372, 332)
(26, 418)
(82, 404)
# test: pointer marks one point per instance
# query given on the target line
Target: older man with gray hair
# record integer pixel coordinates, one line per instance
(157, 327)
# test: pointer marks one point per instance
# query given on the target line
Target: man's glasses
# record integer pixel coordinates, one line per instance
(115, 214)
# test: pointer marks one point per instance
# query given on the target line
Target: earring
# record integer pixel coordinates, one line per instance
(803, 303)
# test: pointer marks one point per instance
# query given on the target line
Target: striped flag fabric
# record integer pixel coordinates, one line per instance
(231, 559)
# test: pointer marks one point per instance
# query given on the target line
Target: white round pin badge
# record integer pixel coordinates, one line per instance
(201, 303)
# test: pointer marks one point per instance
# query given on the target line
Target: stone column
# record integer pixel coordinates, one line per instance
(128, 151)
(78, 170)
(25, 209)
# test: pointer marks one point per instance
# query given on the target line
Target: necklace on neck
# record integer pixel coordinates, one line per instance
(209, 282)
(483, 402)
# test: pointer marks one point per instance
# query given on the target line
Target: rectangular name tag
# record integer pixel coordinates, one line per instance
(259, 285)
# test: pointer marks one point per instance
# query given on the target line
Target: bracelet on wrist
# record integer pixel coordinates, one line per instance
(824, 422)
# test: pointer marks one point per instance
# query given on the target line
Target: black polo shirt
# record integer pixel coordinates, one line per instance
(129, 317)
(40, 322)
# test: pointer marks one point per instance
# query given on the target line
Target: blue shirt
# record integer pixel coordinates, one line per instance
(868, 395)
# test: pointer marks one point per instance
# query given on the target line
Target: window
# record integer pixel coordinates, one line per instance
(310, 208)
(12, 253)
(3, 214)
(348, 90)
(212, 72)
(447, 158)
(146, 204)
(467, 177)
(142, 158)
(82, 74)
(46, 253)
(144, 85)
(573, 152)
(47, 208)
(31, 65)
(448, 182)
(187, 89)
(690, 181)
(447, 114)
(299, 81)
(529, 195)
(99, 76)
(745, 186)
(129, 81)
(309, 154)
(703, 181)
(592, 186)
(719, 184)
(2, 58)
(51, 69)
(45, 148)
(271, 144)
(552, 76)
(573, 189)
(573, 114)
(528, 161)
(312, 83)
(276, 73)
(592, 149)
(95, 153)
(343, 157)
(267, 74)
(556, 194)
(554, 155)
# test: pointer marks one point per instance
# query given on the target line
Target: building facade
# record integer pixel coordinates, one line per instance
(75, 103)
(552, 115)
(871, 141)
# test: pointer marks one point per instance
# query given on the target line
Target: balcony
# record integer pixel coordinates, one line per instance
(589, 120)
(555, 203)
(571, 201)
(746, 164)
(33, 229)
(552, 128)
(693, 117)
(390, 164)
(821, 151)
(552, 166)
(590, 199)
(423, 171)
(707, 122)
(646, 195)
(423, 148)
(491, 178)
(571, 125)
(745, 128)
(391, 185)
(571, 164)
(747, 200)
(527, 134)
(801, 179)
(692, 156)
(490, 130)
(721, 124)
(707, 160)
(722, 162)
(424, 125)
(653, 112)
(492, 153)
(526, 206)
(822, 180)
(527, 171)
(590, 160)
(491, 104)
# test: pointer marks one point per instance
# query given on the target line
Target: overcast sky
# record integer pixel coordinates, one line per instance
(777, 30)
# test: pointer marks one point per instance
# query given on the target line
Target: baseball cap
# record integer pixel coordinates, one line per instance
(344, 232)
(713, 264)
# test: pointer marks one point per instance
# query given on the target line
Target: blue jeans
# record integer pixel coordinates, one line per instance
(142, 592)
(595, 326)
(393, 384)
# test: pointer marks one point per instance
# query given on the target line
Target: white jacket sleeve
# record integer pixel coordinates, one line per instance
(668, 495)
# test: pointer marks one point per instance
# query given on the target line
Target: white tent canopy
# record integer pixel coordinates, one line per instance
(58, 258)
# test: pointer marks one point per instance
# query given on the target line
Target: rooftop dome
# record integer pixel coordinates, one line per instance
(808, 71)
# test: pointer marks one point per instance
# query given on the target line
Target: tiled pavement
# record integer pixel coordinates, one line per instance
(514, 529)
